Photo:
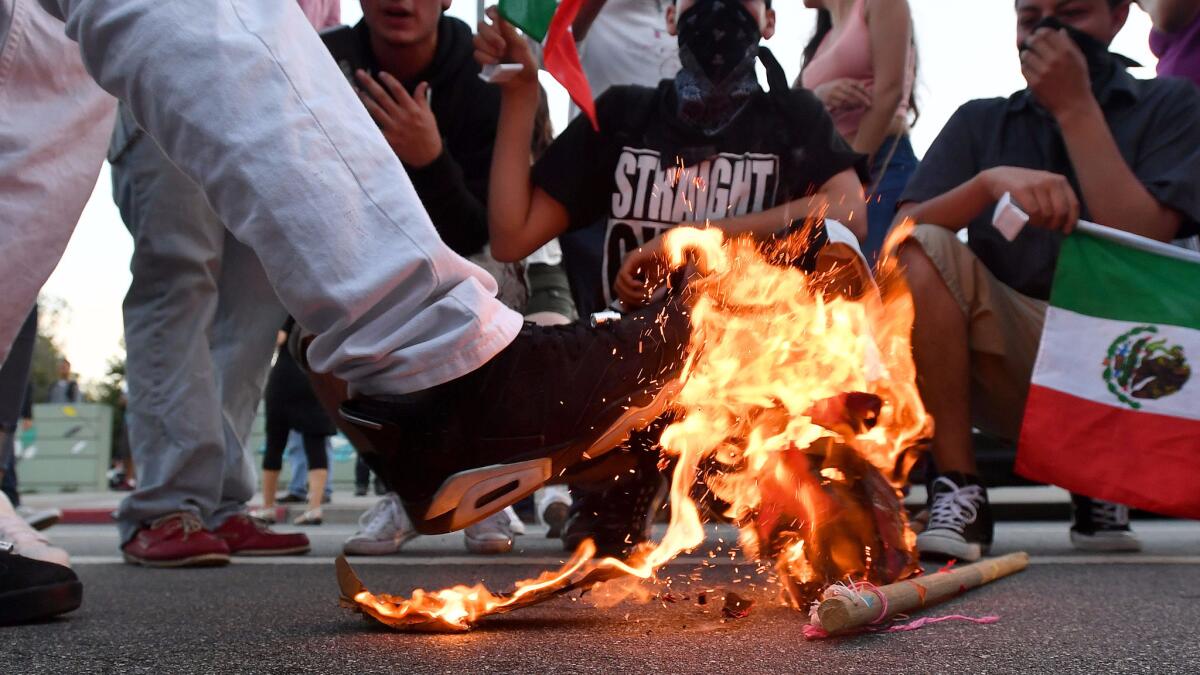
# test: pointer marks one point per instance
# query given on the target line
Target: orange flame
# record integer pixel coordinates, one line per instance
(797, 416)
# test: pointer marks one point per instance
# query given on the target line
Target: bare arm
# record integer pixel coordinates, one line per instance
(1171, 16)
(520, 217)
(1057, 74)
(891, 35)
(587, 15)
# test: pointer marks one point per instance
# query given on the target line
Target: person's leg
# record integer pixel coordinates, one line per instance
(294, 454)
(56, 124)
(318, 471)
(277, 438)
(243, 338)
(14, 376)
(174, 414)
(942, 357)
(362, 475)
(892, 179)
(306, 182)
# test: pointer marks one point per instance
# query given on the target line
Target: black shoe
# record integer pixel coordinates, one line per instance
(31, 590)
(291, 498)
(380, 488)
(1098, 525)
(360, 490)
(556, 396)
(617, 515)
(960, 519)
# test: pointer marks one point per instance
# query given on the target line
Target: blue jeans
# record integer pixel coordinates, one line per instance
(294, 452)
(881, 206)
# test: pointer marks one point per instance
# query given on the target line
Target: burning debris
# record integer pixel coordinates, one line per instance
(797, 419)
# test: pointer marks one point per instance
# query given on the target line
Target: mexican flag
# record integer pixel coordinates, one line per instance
(1114, 405)
(549, 22)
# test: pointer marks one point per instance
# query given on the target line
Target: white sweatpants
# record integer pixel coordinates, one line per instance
(242, 96)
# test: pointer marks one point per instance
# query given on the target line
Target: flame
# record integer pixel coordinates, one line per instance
(796, 420)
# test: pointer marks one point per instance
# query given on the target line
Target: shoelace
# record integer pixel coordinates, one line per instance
(188, 523)
(956, 507)
(1108, 515)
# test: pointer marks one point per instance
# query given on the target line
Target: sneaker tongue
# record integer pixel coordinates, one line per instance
(959, 479)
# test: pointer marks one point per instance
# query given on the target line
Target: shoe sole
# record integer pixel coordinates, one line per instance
(1092, 544)
(937, 547)
(40, 602)
(44, 523)
(259, 552)
(489, 547)
(202, 560)
(468, 497)
(367, 547)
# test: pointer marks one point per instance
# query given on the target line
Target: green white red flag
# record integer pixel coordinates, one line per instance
(550, 24)
(1114, 405)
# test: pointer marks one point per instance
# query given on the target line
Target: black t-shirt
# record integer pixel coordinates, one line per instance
(1156, 126)
(645, 172)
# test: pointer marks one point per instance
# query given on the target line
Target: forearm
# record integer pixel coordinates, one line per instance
(952, 210)
(510, 192)
(587, 15)
(766, 224)
(1113, 194)
(876, 122)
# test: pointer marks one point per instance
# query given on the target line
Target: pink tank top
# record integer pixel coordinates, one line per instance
(847, 53)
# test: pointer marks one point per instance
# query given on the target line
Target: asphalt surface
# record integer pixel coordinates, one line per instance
(1067, 613)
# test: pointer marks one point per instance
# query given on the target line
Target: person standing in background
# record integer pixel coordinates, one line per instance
(66, 388)
(200, 325)
(1175, 39)
(862, 63)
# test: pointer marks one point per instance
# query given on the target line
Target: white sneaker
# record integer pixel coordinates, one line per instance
(514, 522)
(491, 535)
(552, 504)
(40, 519)
(382, 530)
(25, 540)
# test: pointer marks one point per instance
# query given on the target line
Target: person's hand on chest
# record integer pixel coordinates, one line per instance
(407, 121)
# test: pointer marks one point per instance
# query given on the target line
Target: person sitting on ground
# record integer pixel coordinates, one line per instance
(1083, 140)
(862, 63)
(413, 68)
(764, 159)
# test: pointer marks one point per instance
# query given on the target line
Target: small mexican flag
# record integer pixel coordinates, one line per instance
(1114, 406)
(549, 22)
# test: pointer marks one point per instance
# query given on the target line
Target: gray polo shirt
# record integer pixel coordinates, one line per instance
(1156, 125)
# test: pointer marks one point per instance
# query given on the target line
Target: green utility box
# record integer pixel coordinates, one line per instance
(69, 448)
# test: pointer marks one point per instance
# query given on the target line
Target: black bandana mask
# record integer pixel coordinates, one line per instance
(716, 37)
(718, 44)
(1100, 61)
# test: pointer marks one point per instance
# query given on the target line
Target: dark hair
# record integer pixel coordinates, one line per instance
(825, 24)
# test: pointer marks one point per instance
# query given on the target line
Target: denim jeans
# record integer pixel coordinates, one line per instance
(294, 453)
(881, 205)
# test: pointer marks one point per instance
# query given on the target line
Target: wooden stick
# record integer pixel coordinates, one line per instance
(841, 613)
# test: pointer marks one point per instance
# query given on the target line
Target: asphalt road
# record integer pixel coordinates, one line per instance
(1068, 613)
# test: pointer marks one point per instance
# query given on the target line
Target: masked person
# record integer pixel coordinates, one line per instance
(1084, 140)
(764, 159)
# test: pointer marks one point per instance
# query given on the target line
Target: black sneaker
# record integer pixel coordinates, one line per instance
(960, 519)
(292, 498)
(617, 514)
(556, 396)
(1098, 525)
(360, 490)
(33, 590)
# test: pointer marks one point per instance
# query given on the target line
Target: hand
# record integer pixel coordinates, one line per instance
(642, 271)
(498, 42)
(407, 122)
(1046, 197)
(844, 93)
(1056, 71)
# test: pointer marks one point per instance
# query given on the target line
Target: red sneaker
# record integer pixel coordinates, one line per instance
(250, 536)
(176, 540)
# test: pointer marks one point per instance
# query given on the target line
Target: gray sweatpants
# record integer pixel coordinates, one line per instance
(200, 326)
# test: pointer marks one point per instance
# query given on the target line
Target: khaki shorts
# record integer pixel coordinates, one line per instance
(1003, 326)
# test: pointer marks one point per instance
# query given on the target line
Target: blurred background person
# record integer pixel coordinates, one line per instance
(291, 406)
(1175, 39)
(66, 388)
(862, 62)
(297, 488)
